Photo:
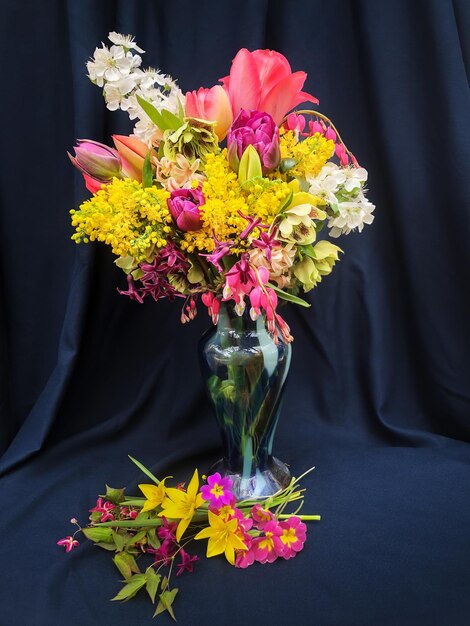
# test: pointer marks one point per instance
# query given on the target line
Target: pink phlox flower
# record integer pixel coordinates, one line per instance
(104, 508)
(69, 542)
(252, 224)
(267, 242)
(132, 292)
(244, 523)
(221, 249)
(293, 537)
(268, 547)
(167, 530)
(186, 562)
(261, 516)
(218, 490)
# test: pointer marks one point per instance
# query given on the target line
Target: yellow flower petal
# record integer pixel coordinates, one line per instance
(230, 554)
(193, 485)
(205, 533)
(216, 545)
(182, 526)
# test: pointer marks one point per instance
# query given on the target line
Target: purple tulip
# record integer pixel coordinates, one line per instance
(184, 207)
(259, 130)
(96, 160)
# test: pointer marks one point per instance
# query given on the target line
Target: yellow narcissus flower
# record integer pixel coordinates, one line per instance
(154, 495)
(222, 537)
(182, 505)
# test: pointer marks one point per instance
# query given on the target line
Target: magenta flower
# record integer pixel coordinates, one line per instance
(293, 537)
(164, 553)
(132, 292)
(252, 224)
(267, 243)
(221, 249)
(186, 562)
(245, 558)
(167, 530)
(217, 490)
(104, 508)
(68, 542)
(269, 546)
(257, 129)
(261, 516)
(212, 304)
(184, 207)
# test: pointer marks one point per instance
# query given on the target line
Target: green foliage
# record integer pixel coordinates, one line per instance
(289, 297)
(152, 582)
(130, 589)
(147, 172)
(166, 601)
(116, 496)
(126, 564)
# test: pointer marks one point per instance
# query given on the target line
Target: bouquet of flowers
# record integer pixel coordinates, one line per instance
(219, 194)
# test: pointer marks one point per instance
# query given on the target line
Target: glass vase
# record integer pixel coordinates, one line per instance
(245, 372)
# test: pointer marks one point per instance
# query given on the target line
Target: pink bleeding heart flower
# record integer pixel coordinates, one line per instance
(69, 542)
(295, 123)
(341, 153)
(293, 537)
(184, 207)
(262, 80)
(212, 105)
(257, 129)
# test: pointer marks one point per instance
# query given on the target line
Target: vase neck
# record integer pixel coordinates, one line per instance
(229, 320)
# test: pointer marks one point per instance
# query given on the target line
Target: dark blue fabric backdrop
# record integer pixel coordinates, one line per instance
(378, 397)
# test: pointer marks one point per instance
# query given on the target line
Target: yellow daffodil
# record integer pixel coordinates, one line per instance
(154, 495)
(222, 537)
(182, 505)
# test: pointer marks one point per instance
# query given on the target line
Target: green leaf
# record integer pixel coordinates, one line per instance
(147, 172)
(106, 546)
(116, 496)
(143, 468)
(120, 540)
(97, 533)
(153, 580)
(131, 588)
(250, 165)
(166, 600)
(133, 523)
(152, 112)
(126, 564)
(171, 120)
(136, 538)
(308, 251)
(152, 538)
(289, 297)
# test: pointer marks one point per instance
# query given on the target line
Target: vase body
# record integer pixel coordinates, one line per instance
(245, 373)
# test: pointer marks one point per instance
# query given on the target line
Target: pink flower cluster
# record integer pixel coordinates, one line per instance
(266, 538)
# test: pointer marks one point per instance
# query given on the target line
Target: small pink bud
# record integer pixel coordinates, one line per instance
(330, 134)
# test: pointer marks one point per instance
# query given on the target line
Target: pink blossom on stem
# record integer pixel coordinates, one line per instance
(293, 537)
(218, 490)
(244, 558)
(132, 292)
(269, 546)
(104, 508)
(252, 224)
(167, 530)
(186, 562)
(221, 249)
(330, 134)
(261, 516)
(69, 542)
(295, 123)
(341, 153)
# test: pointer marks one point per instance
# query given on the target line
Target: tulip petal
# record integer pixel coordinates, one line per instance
(285, 95)
(243, 84)
(272, 68)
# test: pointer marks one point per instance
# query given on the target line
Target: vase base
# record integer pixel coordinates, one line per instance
(262, 484)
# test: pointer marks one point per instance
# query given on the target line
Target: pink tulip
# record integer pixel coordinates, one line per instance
(184, 207)
(263, 81)
(212, 105)
(133, 153)
(96, 160)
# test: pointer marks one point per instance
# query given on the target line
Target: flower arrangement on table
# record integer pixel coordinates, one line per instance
(163, 522)
(219, 194)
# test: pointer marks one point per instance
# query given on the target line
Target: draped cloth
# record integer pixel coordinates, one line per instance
(379, 392)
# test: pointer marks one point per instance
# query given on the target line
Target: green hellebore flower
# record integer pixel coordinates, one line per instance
(194, 140)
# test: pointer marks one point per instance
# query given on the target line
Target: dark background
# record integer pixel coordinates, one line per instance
(378, 397)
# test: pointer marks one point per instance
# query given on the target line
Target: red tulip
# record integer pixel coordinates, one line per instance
(262, 80)
(212, 105)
